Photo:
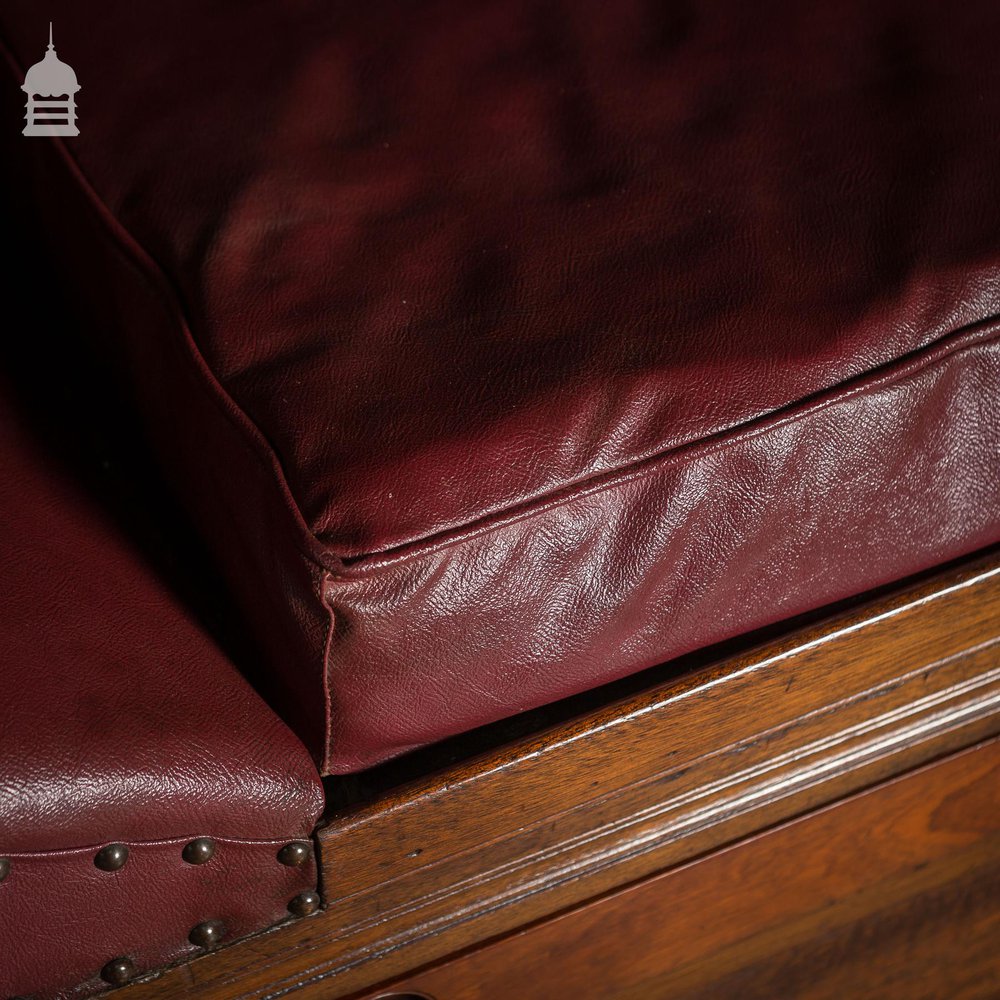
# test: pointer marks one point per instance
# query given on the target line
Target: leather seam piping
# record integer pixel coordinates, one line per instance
(982, 333)
(86, 849)
(326, 600)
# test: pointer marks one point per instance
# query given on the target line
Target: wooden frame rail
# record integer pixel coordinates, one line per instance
(552, 820)
(892, 893)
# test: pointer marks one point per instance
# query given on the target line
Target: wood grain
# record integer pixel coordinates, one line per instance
(893, 893)
(550, 821)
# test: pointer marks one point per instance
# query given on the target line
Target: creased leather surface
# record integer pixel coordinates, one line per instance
(121, 721)
(405, 289)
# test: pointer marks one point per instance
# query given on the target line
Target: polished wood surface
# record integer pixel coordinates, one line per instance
(550, 821)
(893, 893)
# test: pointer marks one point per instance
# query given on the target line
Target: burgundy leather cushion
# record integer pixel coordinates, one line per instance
(121, 722)
(506, 348)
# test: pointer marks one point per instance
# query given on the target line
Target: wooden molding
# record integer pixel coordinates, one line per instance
(520, 833)
(891, 893)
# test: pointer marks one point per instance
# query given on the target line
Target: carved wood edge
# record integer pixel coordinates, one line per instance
(890, 887)
(614, 796)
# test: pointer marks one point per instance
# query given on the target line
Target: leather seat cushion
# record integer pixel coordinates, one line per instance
(121, 722)
(507, 348)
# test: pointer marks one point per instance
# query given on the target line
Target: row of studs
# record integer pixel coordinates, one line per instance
(197, 852)
(208, 934)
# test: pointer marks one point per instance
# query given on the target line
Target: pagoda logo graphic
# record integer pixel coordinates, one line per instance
(51, 87)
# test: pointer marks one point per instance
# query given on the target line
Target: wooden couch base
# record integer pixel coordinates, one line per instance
(639, 787)
(890, 894)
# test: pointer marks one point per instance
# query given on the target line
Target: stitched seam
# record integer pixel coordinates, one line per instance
(976, 335)
(327, 660)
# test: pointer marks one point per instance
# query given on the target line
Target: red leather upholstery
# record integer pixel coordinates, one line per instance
(122, 723)
(506, 348)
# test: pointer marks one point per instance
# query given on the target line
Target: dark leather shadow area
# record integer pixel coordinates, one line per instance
(69, 400)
